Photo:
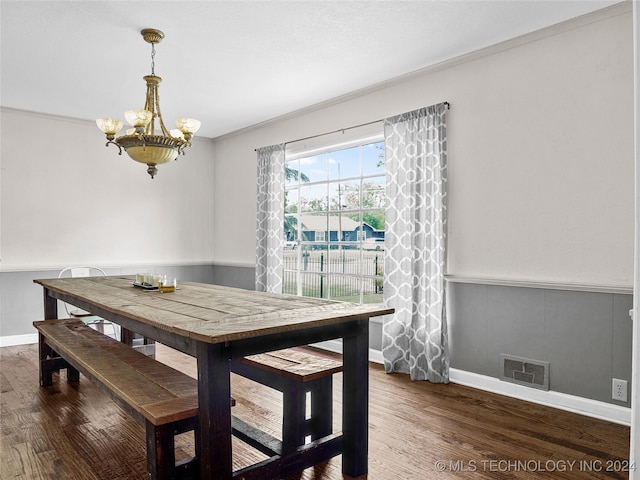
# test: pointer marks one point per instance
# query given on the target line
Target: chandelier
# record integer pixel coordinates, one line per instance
(144, 142)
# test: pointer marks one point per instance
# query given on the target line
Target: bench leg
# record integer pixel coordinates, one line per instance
(294, 400)
(161, 458)
(51, 362)
(295, 426)
(73, 375)
(321, 423)
(45, 353)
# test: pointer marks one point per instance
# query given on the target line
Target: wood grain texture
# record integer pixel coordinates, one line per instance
(152, 389)
(208, 313)
(299, 365)
(303, 377)
(74, 432)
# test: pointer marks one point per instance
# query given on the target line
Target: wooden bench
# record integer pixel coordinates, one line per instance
(162, 399)
(294, 373)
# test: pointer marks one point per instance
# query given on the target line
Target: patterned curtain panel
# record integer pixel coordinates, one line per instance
(414, 339)
(270, 219)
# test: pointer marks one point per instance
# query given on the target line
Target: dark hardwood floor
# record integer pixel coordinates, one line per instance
(417, 431)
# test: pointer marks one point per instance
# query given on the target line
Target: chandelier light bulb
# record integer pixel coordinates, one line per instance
(138, 118)
(188, 125)
(175, 133)
(109, 126)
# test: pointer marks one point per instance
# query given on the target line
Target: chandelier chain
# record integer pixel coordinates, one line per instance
(153, 58)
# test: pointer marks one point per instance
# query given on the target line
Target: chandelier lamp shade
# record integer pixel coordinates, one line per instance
(149, 141)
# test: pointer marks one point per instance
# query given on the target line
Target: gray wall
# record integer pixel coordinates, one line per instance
(585, 336)
(235, 276)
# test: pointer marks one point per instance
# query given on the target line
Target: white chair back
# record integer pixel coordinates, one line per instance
(78, 272)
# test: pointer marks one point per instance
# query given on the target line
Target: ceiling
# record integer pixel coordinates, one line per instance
(233, 64)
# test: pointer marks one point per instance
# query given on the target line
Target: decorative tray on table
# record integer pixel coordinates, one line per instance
(145, 286)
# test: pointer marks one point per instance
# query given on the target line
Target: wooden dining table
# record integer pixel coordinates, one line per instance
(217, 324)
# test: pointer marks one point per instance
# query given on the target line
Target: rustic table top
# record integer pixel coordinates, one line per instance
(210, 313)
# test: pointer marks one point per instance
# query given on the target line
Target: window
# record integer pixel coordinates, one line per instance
(334, 222)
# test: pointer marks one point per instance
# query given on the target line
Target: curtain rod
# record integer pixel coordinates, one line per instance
(446, 104)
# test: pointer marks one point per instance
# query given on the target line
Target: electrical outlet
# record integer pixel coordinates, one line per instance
(619, 390)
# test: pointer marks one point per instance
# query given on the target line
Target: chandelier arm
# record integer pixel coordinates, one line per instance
(150, 106)
(160, 120)
(116, 144)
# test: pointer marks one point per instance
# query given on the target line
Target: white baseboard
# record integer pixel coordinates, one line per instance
(584, 406)
(562, 401)
(11, 340)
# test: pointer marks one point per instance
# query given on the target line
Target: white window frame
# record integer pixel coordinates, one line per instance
(306, 248)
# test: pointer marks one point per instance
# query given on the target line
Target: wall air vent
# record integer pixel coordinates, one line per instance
(523, 371)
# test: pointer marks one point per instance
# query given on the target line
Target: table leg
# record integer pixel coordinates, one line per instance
(126, 336)
(214, 402)
(50, 306)
(355, 398)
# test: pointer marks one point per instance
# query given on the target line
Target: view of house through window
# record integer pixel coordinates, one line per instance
(334, 223)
